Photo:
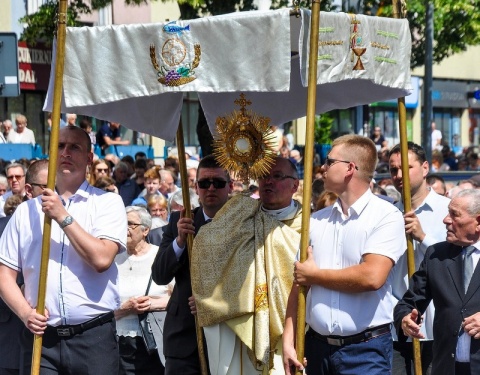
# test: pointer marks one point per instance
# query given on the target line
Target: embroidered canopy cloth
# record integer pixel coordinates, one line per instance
(136, 74)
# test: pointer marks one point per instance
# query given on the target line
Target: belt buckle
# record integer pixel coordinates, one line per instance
(335, 342)
(64, 332)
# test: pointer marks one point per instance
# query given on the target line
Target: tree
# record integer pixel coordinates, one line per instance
(456, 23)
(456, 26)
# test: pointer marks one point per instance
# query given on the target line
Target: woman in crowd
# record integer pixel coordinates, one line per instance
(157, 206)
(107, 184)
(134, 271)
(100, 168)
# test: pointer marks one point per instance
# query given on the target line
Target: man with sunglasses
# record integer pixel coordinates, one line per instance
(179, 337)
(242, 275)
(15, 173)
(354, 245)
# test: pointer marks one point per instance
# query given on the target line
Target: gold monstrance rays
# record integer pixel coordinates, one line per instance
(244, 143)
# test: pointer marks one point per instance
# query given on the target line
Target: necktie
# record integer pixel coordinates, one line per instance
(208, 221)
(467, 266)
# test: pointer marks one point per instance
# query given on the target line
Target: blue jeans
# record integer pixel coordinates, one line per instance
(372, 357)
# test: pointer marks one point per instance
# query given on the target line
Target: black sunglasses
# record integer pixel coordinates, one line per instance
(39, 185)
(329, 162)
(217, 183)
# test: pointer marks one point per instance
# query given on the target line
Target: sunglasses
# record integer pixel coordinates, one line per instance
(42, 186)
(217, 183)
(101, 169)
(329, 162)
(17, 177)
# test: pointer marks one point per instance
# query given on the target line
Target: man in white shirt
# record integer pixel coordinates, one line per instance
(355, 244)
(89, 228)
(22, 134)
(425, 224)
(449, 277)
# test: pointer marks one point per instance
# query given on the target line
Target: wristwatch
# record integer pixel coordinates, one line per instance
(66, 222)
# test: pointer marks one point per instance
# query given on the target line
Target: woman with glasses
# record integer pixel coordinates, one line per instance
(100, 168)
(134, 271)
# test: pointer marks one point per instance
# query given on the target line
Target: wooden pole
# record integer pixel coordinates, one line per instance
(407, 198)
(307, 178)
(188, 213)
(52, 170)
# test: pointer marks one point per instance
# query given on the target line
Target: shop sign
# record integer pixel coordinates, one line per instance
(34, 66)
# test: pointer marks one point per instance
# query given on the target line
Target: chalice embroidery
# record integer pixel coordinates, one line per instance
(356, 44)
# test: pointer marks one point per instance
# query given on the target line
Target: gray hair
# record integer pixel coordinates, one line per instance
(177, 197)
(3, 180)
(16, 165)
(143, 215)
(473, 196)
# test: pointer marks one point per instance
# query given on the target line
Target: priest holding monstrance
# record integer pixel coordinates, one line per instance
(243, 258)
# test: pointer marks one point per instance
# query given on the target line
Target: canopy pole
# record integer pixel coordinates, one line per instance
(307, 178)
(52, 170)
(188, 213)
(398, 13)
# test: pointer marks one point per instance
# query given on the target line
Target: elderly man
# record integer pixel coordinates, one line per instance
(179, 337)
(6, 128)
(22, 134)
(355, 244)
(16, 181)
(449, 277)
(2, 137)
(89, 228)
(242, 275)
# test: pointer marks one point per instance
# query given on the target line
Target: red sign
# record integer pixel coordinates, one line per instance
(34, 66)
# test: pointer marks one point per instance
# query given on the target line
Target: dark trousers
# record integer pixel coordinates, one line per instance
(403, 363)
(134, 359)
(372, 357)
(462, 368)
(186, 366)
(92, 352)
(8, 371)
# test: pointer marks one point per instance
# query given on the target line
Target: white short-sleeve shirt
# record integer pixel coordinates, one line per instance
(75, 291)
(373, 226)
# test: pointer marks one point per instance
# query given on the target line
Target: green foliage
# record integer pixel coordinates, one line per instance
(41, 25)
(323, 129)
(456, 22)
(456, 25)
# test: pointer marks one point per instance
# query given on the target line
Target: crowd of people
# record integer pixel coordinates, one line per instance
(119, 250)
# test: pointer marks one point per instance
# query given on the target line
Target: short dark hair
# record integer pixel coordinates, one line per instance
(140, 155)
(416, 149)
(432, 178)
(81, 131)
(140, 163)
(84, 124)
(34, 169)
(209, 162)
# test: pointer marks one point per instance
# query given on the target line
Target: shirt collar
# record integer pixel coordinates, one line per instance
(358, 206)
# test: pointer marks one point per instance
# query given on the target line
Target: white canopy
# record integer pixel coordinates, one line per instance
(136, 74)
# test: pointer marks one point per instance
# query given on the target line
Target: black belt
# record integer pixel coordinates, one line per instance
(353, 339)
(76, 329)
